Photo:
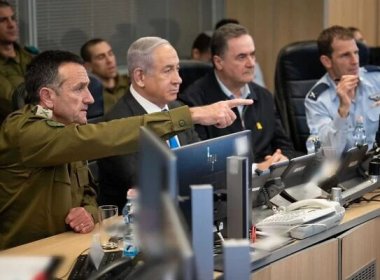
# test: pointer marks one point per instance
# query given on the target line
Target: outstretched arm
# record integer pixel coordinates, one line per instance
(219, 113)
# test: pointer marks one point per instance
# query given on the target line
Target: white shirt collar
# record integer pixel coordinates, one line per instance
(148, 106)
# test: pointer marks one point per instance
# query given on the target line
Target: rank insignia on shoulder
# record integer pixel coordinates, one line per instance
(317, 91)
(375, 97)
(42, 112)
(53, 123)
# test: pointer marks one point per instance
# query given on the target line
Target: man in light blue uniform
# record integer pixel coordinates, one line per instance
(344, 94)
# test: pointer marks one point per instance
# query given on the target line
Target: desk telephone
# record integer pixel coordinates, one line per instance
(304, 218)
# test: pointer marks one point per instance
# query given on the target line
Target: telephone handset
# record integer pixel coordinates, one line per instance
(313, 204)
(304, 218)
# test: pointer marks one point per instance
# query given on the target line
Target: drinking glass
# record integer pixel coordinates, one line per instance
(109, 226)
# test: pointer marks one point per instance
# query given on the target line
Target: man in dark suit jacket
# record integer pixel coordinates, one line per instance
(233, 57)
(155, 84)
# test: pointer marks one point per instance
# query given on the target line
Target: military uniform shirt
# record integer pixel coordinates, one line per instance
(12, 71)
(322, 104)
(111, 96)
(42, 173)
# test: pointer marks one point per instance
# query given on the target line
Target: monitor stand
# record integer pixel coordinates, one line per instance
(202, 230)
(237, 259)
(238, 197)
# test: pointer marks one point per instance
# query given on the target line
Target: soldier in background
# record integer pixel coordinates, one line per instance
(100, 60)
(13, 58)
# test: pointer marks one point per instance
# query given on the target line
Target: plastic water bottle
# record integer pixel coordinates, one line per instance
(130, 248)
(360, 138)
(312, 142)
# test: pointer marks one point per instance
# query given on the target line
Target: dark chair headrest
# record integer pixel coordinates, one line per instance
(300, 60)
(192, 70)
(96, 109)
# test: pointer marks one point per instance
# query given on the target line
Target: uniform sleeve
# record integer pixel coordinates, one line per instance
(44, 142)
(89, 202)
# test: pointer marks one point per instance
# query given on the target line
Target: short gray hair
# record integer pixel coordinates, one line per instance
(139, 54)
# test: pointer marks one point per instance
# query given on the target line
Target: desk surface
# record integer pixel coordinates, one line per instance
(70, 244)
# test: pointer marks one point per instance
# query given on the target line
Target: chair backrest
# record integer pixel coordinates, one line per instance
(95, 111)
(298, 68)
(192, 70)
(374, 55)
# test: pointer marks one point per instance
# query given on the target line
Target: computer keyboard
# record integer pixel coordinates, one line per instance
(84, 267)
(294, 217)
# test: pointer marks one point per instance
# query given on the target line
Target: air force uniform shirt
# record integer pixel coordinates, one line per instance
(322, 104)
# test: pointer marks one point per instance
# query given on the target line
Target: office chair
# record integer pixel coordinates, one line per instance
(374, 55)
(192, 70)
(95, 111)
(298, 68)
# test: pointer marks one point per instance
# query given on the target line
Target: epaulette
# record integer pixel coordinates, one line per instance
(317, 90)
(372, 68)
(32, 50)
(43, 112)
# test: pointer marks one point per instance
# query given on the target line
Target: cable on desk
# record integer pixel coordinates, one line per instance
(72, 265)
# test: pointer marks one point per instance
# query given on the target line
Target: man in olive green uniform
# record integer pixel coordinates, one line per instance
(13, 59)
(101, 61)
(44, 183)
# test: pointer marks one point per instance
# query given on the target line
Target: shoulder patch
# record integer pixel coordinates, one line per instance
(372, 68)
(54, 123)
(43, 112)
(317, 91)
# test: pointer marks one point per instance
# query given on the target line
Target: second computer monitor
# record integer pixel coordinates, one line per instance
(205, 162)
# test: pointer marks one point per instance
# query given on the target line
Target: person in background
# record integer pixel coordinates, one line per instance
(45, 188)
(13, 58)
(233, 58)
(201, 48)
(358, 36)
(225, 21)
(153, 66)
(344, 94)
(101, 62)
(258, 76)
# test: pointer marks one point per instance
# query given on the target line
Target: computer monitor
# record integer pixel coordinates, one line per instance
(205, 162)
(300, 170)
(162, 234)
(350, 164)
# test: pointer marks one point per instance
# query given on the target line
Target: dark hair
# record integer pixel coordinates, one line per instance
(225, 21)
(223, 34)
(5, 4)
(43, 71)
(328, 35)
(202, 42)
(353, 29)
(84, 50)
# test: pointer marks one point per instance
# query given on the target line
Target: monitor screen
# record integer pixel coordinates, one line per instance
(205, 163)
(300, 170)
